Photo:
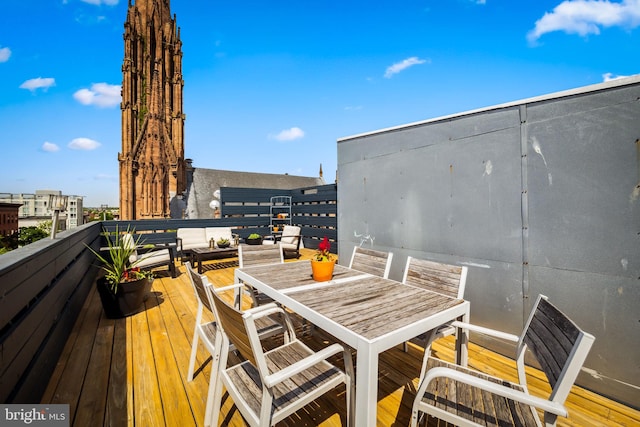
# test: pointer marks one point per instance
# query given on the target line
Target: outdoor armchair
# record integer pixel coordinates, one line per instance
(466, 397)
(269, 386)
(208, 332)
(290, 241)
(147, 257)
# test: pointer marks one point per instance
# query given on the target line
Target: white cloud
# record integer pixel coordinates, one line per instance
(50, 147)
(585, 17)
(288, 134)
(38, 83)
(607, 77)
(83, 144)
(5, 53)
(403, 65)
(100, 94)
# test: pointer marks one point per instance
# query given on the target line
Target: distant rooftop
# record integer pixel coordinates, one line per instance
(202, 183)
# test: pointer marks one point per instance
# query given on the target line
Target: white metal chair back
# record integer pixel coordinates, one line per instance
(557, 343)
(445, 279)
(249, 255)
(252, 255)
(371, 261)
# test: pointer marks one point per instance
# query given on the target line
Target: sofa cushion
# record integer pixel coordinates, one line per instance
(193, 238)
(290, 237)
(154, 258)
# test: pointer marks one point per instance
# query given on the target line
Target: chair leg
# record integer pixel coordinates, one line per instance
(194, 343)
(213, 382)
(209, 408)
(216, 401)
(415, 416)
(431, 335)
(192, 359)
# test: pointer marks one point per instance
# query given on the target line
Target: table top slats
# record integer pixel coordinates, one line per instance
(375, 314)
(294, 274)
(366, 304)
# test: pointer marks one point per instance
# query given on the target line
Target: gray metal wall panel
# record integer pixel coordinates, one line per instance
(535, 197)
(455, 197)
(581, 182)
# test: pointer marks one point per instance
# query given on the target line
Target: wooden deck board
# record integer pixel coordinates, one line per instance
(132, 371)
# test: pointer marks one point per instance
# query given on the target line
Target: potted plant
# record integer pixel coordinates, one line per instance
(254, 239)
(223, 243)
(323, 262)
(124, 287)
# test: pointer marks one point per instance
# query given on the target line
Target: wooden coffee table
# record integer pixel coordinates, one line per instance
(203, 254)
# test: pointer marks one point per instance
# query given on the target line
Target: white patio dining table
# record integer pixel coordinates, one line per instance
(368, 313)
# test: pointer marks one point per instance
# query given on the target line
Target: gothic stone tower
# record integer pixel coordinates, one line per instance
(152, 169)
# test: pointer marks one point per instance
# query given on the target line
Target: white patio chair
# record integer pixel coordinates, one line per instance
(290, 241)
(270, 386)
(445, 279)
(208, 332)
(149, 258)
(466, 397)
(249, 255)
(371, 261)
(252, 255)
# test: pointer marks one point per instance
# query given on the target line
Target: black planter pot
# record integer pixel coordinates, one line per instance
(127, 300)
(257, 241)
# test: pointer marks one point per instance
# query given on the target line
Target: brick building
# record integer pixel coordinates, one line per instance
(9, 218)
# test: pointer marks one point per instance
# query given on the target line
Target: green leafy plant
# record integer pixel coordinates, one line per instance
(223, 242)
(254, 236)
(118, 266)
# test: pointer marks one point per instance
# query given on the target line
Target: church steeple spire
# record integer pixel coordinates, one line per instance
(152, 159)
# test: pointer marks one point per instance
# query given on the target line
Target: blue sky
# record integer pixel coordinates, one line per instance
(271, 85)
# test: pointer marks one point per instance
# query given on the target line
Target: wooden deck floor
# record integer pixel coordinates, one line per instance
(131, 372)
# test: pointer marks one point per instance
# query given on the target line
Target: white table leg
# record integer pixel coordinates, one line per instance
(462, 341)
(366, 387)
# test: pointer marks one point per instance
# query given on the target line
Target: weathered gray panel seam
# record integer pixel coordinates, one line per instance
(525, 207)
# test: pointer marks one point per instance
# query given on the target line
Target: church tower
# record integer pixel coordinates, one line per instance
(152, 170)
